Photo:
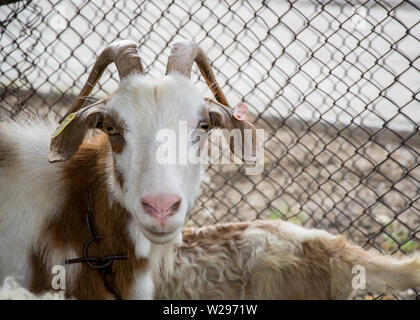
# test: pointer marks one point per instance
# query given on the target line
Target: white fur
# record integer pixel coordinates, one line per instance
(30, 193)
(141, 243)
(13, 290)
(160, 258)
(143, 287)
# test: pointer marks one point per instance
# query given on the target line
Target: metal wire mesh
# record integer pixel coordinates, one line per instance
(333, 83)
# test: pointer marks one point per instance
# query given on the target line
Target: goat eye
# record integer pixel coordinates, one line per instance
(110, 130)
(203, 125)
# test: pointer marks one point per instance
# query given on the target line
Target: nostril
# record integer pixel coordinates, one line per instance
(147, 206)
(175, 206)
(161, 206)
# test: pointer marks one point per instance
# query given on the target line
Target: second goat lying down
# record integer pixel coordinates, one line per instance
(275, 260)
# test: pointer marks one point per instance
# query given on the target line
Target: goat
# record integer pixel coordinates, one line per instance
(103, 206)
(275, 260)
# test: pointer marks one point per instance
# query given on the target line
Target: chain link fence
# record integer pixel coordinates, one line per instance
(333, 83)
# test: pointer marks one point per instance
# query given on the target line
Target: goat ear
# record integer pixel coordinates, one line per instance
(241, 134)
(69, 135)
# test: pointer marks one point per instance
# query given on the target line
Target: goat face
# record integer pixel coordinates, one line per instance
(157, 195)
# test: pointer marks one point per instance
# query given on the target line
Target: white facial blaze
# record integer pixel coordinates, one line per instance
(153, 112)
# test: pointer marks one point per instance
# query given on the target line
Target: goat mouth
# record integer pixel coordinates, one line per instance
(156, 236)
(159, 234)
(159, 238)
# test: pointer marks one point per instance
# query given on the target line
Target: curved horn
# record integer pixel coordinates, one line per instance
(127, 60)
(181, 59)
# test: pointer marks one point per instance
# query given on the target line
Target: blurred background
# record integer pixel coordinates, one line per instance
(334, 84)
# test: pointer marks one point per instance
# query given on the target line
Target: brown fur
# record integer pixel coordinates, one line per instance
(39, 269)
(275, 260)
(68, 229)
(218, 232)
(112, 120)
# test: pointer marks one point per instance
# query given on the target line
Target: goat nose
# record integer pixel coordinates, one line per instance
(161, 205)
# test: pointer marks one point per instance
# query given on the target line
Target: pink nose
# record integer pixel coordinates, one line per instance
(162, 205)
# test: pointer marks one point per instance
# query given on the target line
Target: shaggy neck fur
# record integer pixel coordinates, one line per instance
(67, 231)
